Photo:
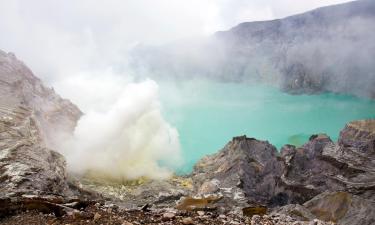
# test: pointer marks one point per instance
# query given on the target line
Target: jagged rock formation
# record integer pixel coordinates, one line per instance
(26, 165)
(18, 86)
(322, 175)
(327, 49)
(31, 116)
(245, 171)
(359, 135)
(321, 165)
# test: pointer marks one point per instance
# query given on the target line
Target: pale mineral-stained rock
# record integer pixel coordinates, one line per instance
(188, 221)
(31, 116)
(18, 86)
(26, 165)
(198, 204)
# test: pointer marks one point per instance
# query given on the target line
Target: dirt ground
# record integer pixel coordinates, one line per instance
(100, 215)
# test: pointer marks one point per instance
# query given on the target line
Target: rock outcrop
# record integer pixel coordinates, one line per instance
(54, 115)
(27, 166)
(322, 165)
(321, 179)
(245, 171)
(31, 116)
(359, 135)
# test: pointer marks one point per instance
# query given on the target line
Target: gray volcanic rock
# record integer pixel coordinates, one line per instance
(18, 86)
(26, 165)
(339, 207)
(321, 165)
(31, 117)
(249, 172)
(342, 208)
(305, 173)
(360, 135)
(245, 170)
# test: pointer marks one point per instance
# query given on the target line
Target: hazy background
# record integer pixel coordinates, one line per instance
(61, 39)
(80, 48)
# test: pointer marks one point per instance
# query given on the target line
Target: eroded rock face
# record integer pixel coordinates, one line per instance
(262, 176)
(306, 173)
(27, 166)
(322, 165)
(360, 135)
(338, 207)
(31, 116)
(245, 170)
(18, 86)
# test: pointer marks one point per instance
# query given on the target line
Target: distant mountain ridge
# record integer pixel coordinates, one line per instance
(324, 16)
(326, 49)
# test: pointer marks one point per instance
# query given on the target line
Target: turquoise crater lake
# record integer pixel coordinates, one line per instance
(208, 114)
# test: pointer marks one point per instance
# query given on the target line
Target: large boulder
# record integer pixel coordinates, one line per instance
(245, 170)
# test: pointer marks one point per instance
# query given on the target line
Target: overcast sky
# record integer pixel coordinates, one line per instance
(60, 38)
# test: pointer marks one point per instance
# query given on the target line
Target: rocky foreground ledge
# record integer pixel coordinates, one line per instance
(321, 179)
(247, 182)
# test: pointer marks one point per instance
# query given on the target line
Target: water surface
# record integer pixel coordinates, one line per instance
(208, 114)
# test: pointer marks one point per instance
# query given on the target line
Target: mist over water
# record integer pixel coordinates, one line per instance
(208, 114)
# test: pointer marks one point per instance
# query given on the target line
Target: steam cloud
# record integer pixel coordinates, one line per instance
(128, 140)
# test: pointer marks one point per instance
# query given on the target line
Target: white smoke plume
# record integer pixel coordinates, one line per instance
(128, 140)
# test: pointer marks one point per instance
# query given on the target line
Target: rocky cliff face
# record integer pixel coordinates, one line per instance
(31, 116)
(327, 49)
(333, 181)
(18, 86)
(27, 166)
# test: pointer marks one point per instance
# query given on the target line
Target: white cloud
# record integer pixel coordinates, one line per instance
(127, 140)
